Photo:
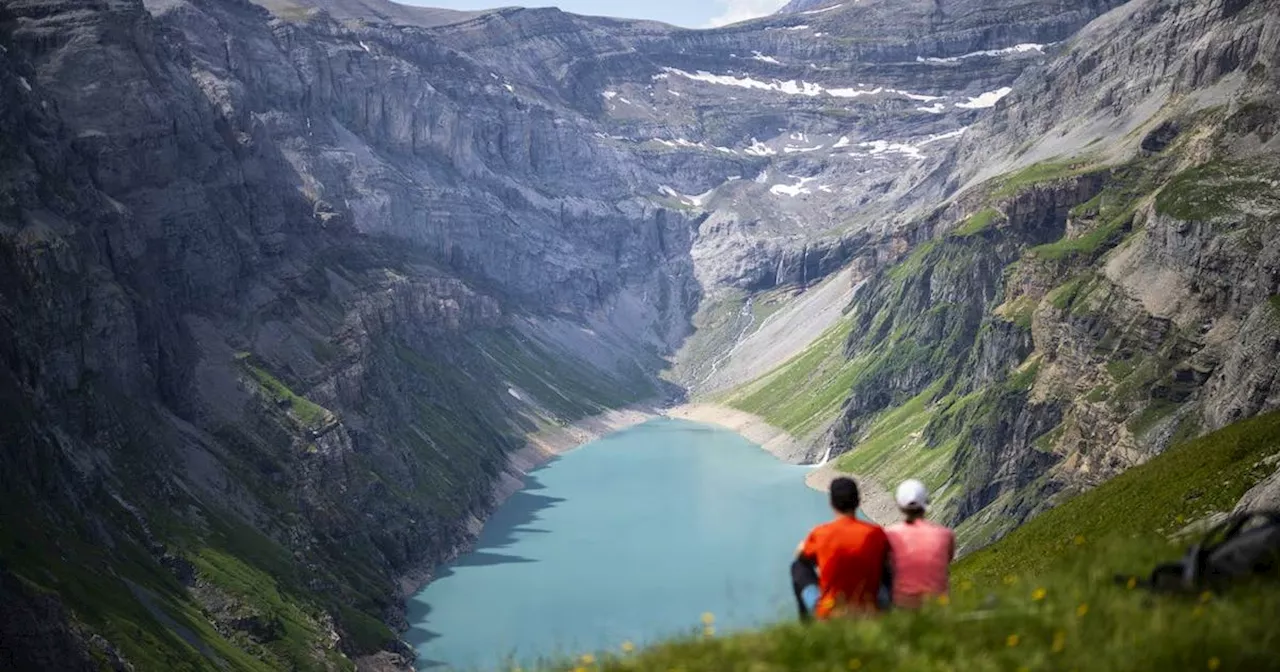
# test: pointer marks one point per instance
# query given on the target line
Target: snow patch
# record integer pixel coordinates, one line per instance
(26, 86)
(757, 56)
(825, 188)
(758, 148)
(696, 201)
(792, 149)
(364, 46)
(988, 99)
(824, 9)
(510, 88)
(791, 86)
(936, 108)
(609, 95)
(1015, 49)
(942, 136)
(841, 143)
(800, 27)
(878, 147)
(792, 190)
(512, 391)
(677, 94)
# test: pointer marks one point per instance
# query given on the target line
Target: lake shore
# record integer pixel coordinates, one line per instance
(877, 501)
(540, 447)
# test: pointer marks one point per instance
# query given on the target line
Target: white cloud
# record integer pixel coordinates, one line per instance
(733, 11)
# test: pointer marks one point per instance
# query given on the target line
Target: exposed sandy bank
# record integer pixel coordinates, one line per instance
(877, 502)
(781, 444)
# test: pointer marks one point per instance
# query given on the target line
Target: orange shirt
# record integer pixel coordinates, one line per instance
(922, 551)
(850, 555)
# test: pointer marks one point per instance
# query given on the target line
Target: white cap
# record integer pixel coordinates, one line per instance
(912, 495)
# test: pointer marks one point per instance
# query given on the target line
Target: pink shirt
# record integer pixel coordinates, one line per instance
(922, 552)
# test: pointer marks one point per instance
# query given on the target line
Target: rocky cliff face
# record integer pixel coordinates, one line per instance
(287, 284)
(1100, 269)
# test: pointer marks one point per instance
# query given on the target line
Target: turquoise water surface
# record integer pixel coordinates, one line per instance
(629, 538)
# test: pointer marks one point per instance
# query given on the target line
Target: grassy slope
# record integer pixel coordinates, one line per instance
(806, 391)
(1044, 597)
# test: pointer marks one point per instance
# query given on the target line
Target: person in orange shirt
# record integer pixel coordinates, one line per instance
(922, 550)
(841, 566)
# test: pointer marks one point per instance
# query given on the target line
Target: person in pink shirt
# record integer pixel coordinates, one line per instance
(922, 550)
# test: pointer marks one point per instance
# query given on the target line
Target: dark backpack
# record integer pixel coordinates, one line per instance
(1232, 550)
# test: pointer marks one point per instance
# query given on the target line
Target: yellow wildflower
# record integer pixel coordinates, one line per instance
(1010, 579)
(628, 647)
(708, 618)
(1059, 641)
(587, 659)
(1214, 663)
(579, 669)
(1082, 610)
(855, 664)
(1038, 594)
(1079, 540)
(1198, 611)
(709, 631)
(1012, 641)
(966, 584)
(1133, 583)
(1205, 597)
(943, 600)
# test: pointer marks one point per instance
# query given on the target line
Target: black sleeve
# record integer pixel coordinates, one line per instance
(804, 573)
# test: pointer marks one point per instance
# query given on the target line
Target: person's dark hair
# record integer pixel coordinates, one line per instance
(844, 495)
(913, 513)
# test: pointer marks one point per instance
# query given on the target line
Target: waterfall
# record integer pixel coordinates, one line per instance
(825, 456)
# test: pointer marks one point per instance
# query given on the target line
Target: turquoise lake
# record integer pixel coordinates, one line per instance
(629, 538)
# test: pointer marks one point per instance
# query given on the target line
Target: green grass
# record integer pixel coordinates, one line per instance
(895, 449)
(1182, 484)
(1044, 598)
(310, 414)
(1088, 246)
(1151, 415)
(1065, 294)
(1045, 171)
(1274, 300)
(977, 223)
(1019, 311)
(1218, 189)
(806, 391)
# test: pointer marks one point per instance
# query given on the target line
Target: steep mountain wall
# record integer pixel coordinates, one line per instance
(1087, 273)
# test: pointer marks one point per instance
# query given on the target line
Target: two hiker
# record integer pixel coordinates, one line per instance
(850, 566)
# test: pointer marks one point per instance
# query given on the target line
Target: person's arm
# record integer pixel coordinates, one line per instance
(885, 594)
(804, 578)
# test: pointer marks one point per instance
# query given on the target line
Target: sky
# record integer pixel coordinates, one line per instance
(687, 13)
